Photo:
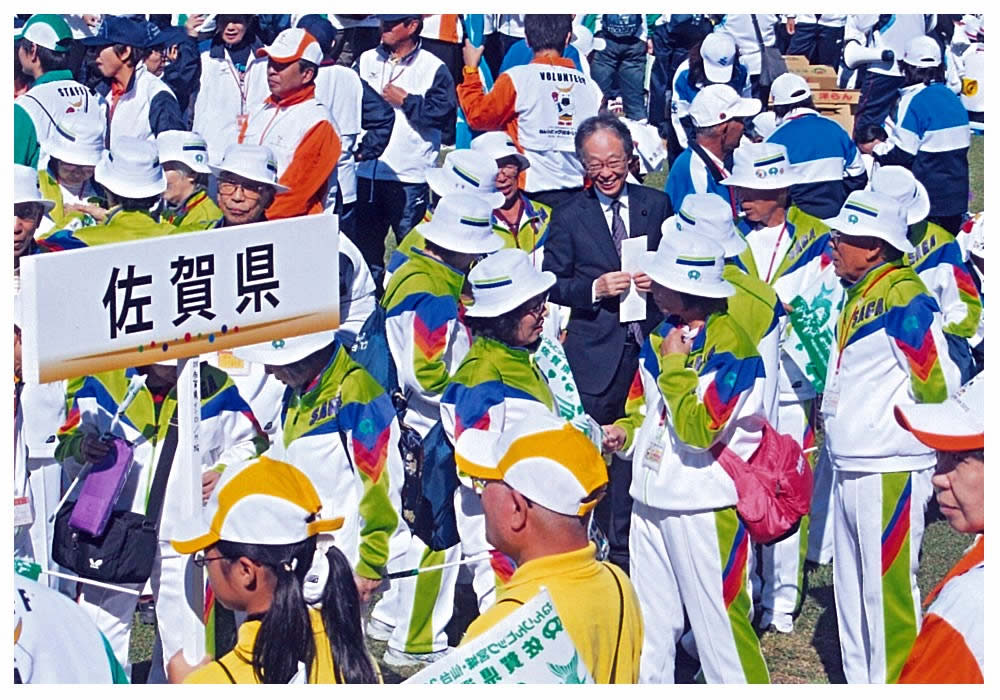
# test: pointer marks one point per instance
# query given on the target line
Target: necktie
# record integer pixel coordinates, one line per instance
(618, 234)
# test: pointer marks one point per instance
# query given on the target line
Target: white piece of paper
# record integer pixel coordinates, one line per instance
(633, 306)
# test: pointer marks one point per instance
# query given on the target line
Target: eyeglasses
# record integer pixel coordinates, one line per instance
(595, 167)
(200, 560)
(251, 192)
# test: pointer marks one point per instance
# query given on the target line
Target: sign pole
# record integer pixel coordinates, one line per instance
(188, 465)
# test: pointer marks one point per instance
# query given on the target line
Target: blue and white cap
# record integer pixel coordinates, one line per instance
(707, 214)
(185, 147)
(761, 166)
(867, 213)
(504, 280)
(462, 223)
(465, 170)
(688, 262)
(256, 163)
(718, 53)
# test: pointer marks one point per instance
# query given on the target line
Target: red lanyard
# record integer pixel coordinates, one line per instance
(774, 254)
(842, 341)
(240, 80)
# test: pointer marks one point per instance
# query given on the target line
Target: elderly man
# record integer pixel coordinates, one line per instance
(717, 113)
(584, 251)
(294, 125)
(538, 482)
(890, 350)
(950, 647)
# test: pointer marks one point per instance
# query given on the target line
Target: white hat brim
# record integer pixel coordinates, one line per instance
(217, 171)
(285, 351)
(47, 204)
(921, 206)
(778, 182)
(718, 74)
(458, 240)
(522, 292)
(441, 185)
(720, 289)
(111, 180)
(898, 241)
(55, 150)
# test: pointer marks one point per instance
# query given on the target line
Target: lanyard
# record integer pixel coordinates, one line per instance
(403, 65)
(842, 340)
(774, 254)
(240, 78)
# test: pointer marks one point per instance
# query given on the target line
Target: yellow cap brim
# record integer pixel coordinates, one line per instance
(196, 544)
(328, 525)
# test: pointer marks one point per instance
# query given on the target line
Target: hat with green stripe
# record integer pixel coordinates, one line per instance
(690, 263)
(50, 31)
(462, 222)
(504, 280)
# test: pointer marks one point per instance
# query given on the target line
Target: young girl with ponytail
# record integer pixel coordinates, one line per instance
(257, 544)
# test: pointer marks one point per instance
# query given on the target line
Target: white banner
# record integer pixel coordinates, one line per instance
(129, 304)
(812, 322)
(528, 646)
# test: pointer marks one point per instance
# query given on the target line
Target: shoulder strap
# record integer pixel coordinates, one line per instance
(621, 622)
(756, 30)
(510, 600)
(226, 671)
(707, 159)
(163, 466)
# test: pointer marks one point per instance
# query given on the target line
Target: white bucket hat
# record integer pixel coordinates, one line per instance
(922, 52)
(255, 163)
(497, 145)
(707, 214)
(687, 262)
(293, 45)
(185, 147)
(26, 188)
(789, 88)
(867, 213)
(78, 139)
(462, 223)
(718, 54)
(584, 41)
(285, 351)
(765, 124)
(132, 169)
(898, 182)
(761, 166)
(504, 280)
(465, 170)
(715, 104)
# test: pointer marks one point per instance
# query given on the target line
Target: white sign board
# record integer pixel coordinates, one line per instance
(633, 306)
(528, 646)
(129, 304)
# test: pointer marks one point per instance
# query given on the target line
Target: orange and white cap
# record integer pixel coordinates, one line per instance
(293, 45)
(261, 502)
(542, 457)
(954, 425)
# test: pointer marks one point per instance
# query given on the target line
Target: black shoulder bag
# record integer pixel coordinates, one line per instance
(127, 549)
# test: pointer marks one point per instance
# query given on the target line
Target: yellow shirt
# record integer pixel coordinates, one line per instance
(590, 607)
(239, 661)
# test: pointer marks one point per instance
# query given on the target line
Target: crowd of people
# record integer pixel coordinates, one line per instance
(581, 364)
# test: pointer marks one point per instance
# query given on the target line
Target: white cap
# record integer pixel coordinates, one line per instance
(26, 187)
(293, 45)
(542, 457)
(765, 124)
(254, 163)
(867, 213)
(285, 351)
(761, 166)
(78, 139)
(497, 144)
(584, 41)
(922, 52)
(504, 280)
(132, 169)
(718, 53)
(707, 214)
(185, 147)
(900, 184)
(465, 170)
(462, 222)
(715, 104)
(690, 263)
(954, 425)
(789, 88)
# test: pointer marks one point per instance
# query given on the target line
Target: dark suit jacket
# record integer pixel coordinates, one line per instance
(578, 251)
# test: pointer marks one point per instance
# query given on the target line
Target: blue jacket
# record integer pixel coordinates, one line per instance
(690, 174)
(824, 157)
(932, 139)
(519, 54)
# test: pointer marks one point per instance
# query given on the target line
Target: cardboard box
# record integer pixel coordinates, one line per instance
(842, 114)
(818, 77)
(836, 97)
(795, 61)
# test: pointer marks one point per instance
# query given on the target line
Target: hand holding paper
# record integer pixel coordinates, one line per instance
(633, 306)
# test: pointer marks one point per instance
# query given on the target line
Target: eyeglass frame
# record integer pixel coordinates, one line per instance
(251, 190)
(592, 168)
(202, 561)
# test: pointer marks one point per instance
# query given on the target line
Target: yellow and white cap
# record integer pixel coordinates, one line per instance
(543, 457)
(261, 502)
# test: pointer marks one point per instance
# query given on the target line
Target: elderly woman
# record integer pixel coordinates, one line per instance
(74, 150)
(184, 157)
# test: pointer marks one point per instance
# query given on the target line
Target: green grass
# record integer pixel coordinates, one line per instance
(811, 654)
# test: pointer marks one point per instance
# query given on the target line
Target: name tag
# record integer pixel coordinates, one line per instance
(831, 396)
(24, 514)
(653, 456)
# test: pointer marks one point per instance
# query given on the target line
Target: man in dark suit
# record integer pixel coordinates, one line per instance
(584, 253)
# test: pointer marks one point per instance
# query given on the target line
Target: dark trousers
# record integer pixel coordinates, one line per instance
(829, 45)
(451, 55)
(803, 41)
(878, 94)
(952, 223)
(354, 41)
(383, 204)
(614, 512)
(622, 65)
(661, 86)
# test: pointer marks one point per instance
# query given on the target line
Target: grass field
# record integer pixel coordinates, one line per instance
(811, 654)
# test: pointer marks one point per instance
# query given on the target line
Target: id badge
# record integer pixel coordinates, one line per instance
(233, 366)
(653, 456)
(831, 396)
(24, 514)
